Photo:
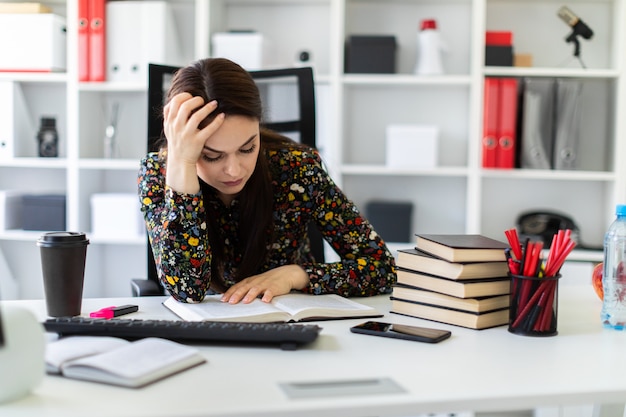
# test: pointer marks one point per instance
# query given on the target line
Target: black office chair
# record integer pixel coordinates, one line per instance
(297, 82)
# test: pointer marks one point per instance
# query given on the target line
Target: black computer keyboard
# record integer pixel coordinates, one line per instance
(288, 336)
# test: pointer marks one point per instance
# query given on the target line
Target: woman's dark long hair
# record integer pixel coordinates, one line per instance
(236, 94)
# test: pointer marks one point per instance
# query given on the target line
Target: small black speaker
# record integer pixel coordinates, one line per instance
(391, 219)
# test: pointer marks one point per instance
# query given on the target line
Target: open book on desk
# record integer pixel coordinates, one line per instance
(284, 308)
(117, 361)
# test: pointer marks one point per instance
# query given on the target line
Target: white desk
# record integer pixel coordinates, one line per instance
(485, 370)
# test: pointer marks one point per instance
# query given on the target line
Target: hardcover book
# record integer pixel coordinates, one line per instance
(474, 305)
(462, 248)
(284, 308)
(477, 321)
(463, 289)
(420, 261)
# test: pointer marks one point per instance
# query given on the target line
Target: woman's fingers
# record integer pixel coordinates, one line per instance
(170, 111)
(269, 284)
(196, 117)
(182, 116)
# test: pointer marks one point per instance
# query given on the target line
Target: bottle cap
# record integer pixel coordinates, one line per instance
(428, 24)
(620, 210)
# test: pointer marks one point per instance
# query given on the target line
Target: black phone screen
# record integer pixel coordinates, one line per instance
(401, 331)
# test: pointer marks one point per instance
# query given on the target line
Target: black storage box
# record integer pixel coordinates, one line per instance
(499, 55)
(391, 219)
(44, 212)
(370, 54)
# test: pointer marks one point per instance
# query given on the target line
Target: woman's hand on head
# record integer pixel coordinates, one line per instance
(277, 281)
(181, 118)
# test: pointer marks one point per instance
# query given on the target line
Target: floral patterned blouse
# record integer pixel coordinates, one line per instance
(303, 192)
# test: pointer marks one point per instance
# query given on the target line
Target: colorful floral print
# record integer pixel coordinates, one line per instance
(303, 192)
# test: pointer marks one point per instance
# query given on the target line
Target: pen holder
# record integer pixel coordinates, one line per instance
(534, 305)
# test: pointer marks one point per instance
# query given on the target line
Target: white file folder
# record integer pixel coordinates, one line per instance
(139, 33)
(567, 119)
(536, 146)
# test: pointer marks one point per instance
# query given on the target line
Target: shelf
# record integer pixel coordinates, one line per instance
(33, 236)
(585, 255)
(133, 241)
(34, 77)
(513, 174)
(37, 163)
(272, 2)
(20, 235)
(551, 72)
(383, 170)
(541, 174)
(112, 87)
(399, 79)
(109, 164)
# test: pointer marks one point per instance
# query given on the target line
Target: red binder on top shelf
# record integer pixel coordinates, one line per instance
(490, 122)
(507, 123)
(97, 46)
(83, 40)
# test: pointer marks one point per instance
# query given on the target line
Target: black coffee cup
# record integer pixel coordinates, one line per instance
(63, 256)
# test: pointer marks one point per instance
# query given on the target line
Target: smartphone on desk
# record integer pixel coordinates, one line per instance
(401, 331)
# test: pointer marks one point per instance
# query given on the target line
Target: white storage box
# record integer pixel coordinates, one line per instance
(412, 146)
(248, 49)
(116, 216)
(10, 210)
(32, 42)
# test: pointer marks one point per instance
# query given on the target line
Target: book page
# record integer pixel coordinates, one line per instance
(302, 306)
(135, 364)
(211, 308)
(65, 349)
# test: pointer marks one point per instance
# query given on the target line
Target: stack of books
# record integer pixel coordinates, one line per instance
(454, 279)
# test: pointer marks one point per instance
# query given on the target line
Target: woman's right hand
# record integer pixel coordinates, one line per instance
(181, 118)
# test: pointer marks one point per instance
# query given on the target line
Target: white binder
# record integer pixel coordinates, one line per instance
(139, 33)
(536, 146)
(567, 123)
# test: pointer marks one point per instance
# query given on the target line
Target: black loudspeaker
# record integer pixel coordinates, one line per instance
(391, 219)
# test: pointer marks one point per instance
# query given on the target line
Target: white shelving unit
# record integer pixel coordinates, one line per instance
(353, 110)
(82, 113)
(460, 196)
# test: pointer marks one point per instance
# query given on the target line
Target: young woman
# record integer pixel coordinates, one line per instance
(227, 202)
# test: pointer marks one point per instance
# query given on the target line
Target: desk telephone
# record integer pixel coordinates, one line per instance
(543, 225)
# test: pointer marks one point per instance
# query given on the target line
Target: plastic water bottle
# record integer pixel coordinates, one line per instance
(614, 275)
(430, 46)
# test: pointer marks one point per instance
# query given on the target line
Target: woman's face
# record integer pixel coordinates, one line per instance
(229, 156)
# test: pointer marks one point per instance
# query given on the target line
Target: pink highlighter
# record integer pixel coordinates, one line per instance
(113, 311)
